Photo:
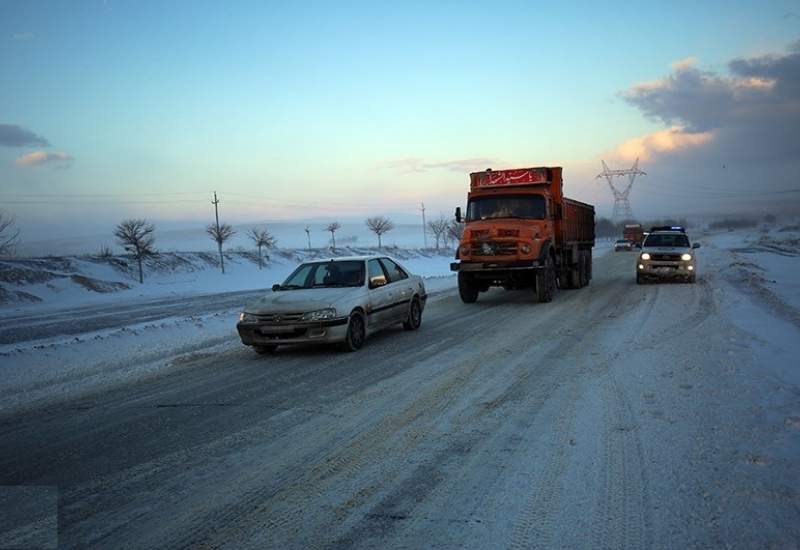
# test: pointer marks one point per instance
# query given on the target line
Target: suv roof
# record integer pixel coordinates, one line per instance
(668, 229)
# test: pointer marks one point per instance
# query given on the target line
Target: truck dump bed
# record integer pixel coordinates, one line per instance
(577, 224)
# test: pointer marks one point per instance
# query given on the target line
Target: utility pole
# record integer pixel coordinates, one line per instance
(215, 202)
(424, 225)
(308, 236)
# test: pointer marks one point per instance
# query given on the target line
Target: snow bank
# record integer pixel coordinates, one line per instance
(60, 282)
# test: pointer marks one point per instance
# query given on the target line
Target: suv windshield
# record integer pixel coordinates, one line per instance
(325, 275)
(517, 206)
(677, 240)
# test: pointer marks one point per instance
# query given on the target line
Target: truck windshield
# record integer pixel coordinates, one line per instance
(667, 240)
(516, 206)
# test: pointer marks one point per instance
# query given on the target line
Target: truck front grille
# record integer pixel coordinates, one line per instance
(492, 248)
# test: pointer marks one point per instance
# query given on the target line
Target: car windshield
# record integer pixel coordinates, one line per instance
(677, 240)
(326, 275)
(622, 241)
(516, 206)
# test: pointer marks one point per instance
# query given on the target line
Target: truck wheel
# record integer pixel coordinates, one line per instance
(588, 266)
(546, 281)
(467, 288)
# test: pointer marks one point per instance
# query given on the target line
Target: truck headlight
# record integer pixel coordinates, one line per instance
(320, 314)
(464, 250)
(645, 256)
(686, 257)
(247, 318)
(525, 248)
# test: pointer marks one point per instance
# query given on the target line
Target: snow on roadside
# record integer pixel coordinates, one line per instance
(42, 284)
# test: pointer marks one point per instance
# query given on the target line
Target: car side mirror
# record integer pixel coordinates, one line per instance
(276, 287)
(695, 245)
(458, 214)
(377, 281)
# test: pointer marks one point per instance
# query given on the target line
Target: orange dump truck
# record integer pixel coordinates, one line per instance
(521, 232)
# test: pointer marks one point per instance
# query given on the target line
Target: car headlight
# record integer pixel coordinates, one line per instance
(320, 314)
(525, 248)
(645, 256)
(247, 317)
(686, 257)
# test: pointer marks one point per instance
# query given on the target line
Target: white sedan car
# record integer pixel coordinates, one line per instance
(338, 300)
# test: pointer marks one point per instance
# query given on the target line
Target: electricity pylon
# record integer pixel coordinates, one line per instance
(622, 203)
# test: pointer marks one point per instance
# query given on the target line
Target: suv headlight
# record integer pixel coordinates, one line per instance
(320, 314)
(686, 257)
(645, 256)
(247, 318)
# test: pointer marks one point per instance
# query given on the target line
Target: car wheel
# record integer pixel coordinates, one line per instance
(467, 288)
(692, 279)
(414, 316)
(356, 333)
(639, 279)
(265, 349)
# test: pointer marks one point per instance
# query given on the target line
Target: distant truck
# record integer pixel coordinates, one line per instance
(634, 233)
(521, 232)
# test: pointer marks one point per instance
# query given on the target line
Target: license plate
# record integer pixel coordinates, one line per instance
(665, 270)
(267, 331)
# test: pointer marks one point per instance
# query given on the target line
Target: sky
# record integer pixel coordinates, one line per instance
(318, 110)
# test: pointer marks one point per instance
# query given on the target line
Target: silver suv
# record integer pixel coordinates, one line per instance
(667, 253)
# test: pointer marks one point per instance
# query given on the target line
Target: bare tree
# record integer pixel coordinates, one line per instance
(9, 234)
(333, 227)
(262, 239)
(454, 231)
(136, 236)
(220, 233)
(379, 225)
(437, 228)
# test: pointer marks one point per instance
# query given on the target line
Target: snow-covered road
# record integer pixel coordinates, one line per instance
(617, 416)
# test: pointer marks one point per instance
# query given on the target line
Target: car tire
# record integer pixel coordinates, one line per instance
(467, 288)
(546, 281)
(265, 349)
(356, 332)
(692, 279)
(639, 279)
(414, 315)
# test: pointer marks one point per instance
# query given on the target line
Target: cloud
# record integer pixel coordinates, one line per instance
(41, 158)
(752, 112)
(410, 165)
(649, 146)
(12, 135)
(733, 133)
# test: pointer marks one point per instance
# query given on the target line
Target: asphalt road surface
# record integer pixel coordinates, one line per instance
(609, 418)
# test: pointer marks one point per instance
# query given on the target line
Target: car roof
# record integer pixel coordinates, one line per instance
(362, 258)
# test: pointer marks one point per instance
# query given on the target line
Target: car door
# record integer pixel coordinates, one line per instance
(401, 290)
(380, 296)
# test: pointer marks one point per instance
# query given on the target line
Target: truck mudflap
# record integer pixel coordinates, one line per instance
(495, 267)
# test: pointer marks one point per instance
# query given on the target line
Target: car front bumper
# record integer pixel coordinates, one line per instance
(321, 332)
(665, 269)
